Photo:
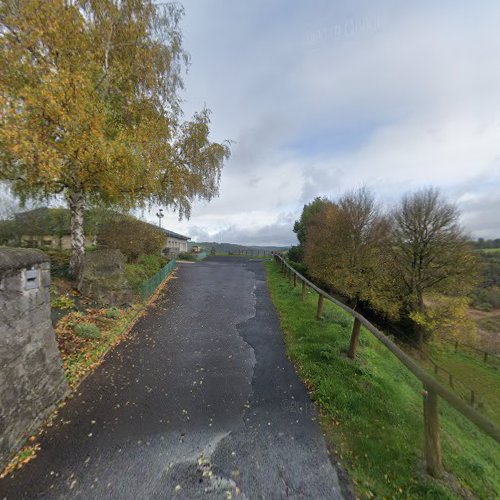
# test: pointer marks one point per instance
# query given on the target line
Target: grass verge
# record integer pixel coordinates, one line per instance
(371, 408)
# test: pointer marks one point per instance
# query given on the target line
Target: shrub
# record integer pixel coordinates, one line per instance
(132, 236)
(187, 256)
(59, 263)
(151, 263)
(87, 331)
(113, 313)
(296, 253)
(484, 306)
(301, 268)
(62, 302)
(135, 274)
(146, 267)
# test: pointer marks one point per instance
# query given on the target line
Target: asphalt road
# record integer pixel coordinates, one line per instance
(200, 402)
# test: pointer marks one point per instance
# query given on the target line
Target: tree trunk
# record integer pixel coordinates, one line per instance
(76, 206)
(419, 335)
(419, 329)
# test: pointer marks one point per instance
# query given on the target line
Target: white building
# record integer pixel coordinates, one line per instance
(175, 244)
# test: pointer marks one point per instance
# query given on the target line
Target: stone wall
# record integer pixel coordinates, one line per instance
(103, 278)
(32, 380)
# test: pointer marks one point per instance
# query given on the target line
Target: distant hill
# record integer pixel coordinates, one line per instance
(232, 247)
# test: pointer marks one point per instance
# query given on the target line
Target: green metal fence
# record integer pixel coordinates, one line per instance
(201, 255)
(146, 289)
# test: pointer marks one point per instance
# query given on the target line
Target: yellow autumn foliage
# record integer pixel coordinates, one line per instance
(89, 107)
(446, 317)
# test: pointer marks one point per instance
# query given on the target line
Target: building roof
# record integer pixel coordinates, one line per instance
(175, 235)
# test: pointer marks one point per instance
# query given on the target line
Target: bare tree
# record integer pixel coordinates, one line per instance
(431, 252)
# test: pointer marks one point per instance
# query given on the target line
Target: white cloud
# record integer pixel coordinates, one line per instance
(323, 96)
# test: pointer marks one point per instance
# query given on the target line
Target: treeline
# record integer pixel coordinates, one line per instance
(52, 222)
(481, 243)
(413, 262)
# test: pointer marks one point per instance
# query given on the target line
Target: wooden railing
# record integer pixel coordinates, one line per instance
(432, 388)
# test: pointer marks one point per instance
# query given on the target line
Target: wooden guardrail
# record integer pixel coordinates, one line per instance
(432, 388)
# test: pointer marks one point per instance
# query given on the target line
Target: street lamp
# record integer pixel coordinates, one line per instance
(160, 216)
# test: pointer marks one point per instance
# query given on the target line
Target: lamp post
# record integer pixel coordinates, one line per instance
(160, 216)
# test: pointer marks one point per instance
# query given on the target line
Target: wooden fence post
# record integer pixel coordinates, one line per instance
(354, 338)
(289, 275)
(433, 459)
(319, 312)
(294, 280)
(304, 291)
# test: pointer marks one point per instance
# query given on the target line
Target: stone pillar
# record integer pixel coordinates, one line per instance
(32, 380)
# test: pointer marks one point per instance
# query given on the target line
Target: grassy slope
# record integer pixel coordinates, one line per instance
(372, 408)
(483, 378)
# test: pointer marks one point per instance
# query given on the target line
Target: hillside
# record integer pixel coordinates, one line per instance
(233, 247)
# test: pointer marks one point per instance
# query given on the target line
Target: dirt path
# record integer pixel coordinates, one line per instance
(201, 402)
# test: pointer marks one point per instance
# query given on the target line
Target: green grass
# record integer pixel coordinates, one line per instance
(483, 378)
(372, 408)
(491, 250)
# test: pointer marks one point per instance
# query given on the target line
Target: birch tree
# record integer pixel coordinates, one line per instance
(90, 108)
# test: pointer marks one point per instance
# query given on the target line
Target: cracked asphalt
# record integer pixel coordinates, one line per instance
(200, 402)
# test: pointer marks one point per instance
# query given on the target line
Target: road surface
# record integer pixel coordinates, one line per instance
(200, 402)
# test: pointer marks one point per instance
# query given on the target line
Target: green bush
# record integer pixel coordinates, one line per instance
(113, 313)
(152, 263)
(87, 331)
(62, 302)
(187, 256)
(59, 263)
(486, 299)
(296, 253)
(135, 274)
(484, 306)
(301, 268)
(146, 267)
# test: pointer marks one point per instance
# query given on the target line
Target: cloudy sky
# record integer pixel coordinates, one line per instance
(321, 96)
